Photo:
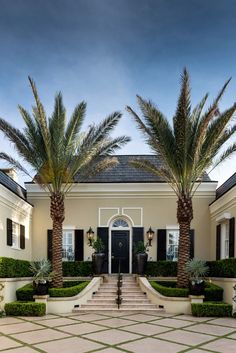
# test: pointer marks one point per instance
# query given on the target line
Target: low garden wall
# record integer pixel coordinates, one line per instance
(8, 287)
(227, 284)
(65, 305)
(172, 305)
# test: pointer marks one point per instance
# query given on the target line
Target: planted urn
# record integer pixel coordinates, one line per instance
(197, 270)
(98, 256)
(141, 257)
(42, 276)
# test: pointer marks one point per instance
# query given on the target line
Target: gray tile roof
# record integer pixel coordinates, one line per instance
(11, 185)
(226, 186)
(125, 173)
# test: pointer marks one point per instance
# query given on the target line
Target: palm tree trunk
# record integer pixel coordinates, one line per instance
(57, 210)
(184, 216)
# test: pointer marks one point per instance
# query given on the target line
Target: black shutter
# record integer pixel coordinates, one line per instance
(9, 232)
(22, 236)
(50, 244)
(161, 244)
(138, 235)
(191, 243)
(231, 236)
(102, 233)
(79, 245)
(218, 241)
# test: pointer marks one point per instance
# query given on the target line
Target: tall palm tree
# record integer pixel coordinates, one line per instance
(57, 151)
(187, 149)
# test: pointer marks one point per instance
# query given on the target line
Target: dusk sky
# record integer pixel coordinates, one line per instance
(107, 51)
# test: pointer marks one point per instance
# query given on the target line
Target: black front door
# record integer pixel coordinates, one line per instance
(120, 251)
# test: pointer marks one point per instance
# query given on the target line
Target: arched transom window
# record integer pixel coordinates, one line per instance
(120, 223)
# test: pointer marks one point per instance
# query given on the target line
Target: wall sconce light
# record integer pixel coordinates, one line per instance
(90, 235)
(150, 234)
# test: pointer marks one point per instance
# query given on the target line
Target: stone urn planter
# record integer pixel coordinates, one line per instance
(141, 257)
(98, 256)
(98, 260)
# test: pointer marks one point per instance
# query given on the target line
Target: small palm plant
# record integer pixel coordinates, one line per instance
(196, 269)
(42, 272)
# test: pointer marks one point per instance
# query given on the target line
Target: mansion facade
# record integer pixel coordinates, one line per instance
(120, 205)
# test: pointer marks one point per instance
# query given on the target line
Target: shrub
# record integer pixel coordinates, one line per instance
(161, 268)
(222, 268)
(25, 309)
(67, 291)
(77, 268)
(213, 292)
(25, 293)
(168, 289)
(11, 268)
(70, 288)
(211, 309)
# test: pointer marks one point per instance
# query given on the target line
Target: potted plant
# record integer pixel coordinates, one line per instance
(42, 276)
(141, 256)
(98, 256)
(196, 269)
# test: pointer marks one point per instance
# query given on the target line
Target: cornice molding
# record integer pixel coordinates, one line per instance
(124, 190)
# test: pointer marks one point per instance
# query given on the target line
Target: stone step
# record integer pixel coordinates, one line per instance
(113, 300)
(124, 295)
(129, 285)
(125, 310)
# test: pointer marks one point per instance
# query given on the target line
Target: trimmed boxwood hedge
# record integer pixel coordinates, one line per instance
(25, 309)
(25, 293)
(168, 288)
(70, 288)
(77, 268)
(209, 309)
(161, 268)
(222, 268)
(68, 291)
(12, 268)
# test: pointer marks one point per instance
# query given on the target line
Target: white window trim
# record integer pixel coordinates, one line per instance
(168, 230)
(73, 240)
(224, 238)
(17, 246)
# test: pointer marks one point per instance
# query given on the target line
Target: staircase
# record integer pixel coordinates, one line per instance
(133, 299)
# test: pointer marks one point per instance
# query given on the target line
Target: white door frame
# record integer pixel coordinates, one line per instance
(129, 228)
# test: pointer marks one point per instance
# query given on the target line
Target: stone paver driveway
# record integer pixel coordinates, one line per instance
(117, 332)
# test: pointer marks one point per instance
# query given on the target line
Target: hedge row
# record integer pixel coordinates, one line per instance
(11, 268)
(222, 268)
(70, 288)
(212, 309)
(68, 291)
(168, 288)
(161, 268)
(25, 309)
(77, 268)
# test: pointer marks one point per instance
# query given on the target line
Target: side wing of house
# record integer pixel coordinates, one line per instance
(223, 214)
(15, 220)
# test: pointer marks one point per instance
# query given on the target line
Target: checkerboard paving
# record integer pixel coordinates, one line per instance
(117, 332)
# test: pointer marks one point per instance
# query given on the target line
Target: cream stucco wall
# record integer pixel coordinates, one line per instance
(143, 205)
(19, 211)
(225, 206)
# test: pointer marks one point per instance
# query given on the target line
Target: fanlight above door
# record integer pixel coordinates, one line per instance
(120, 223)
